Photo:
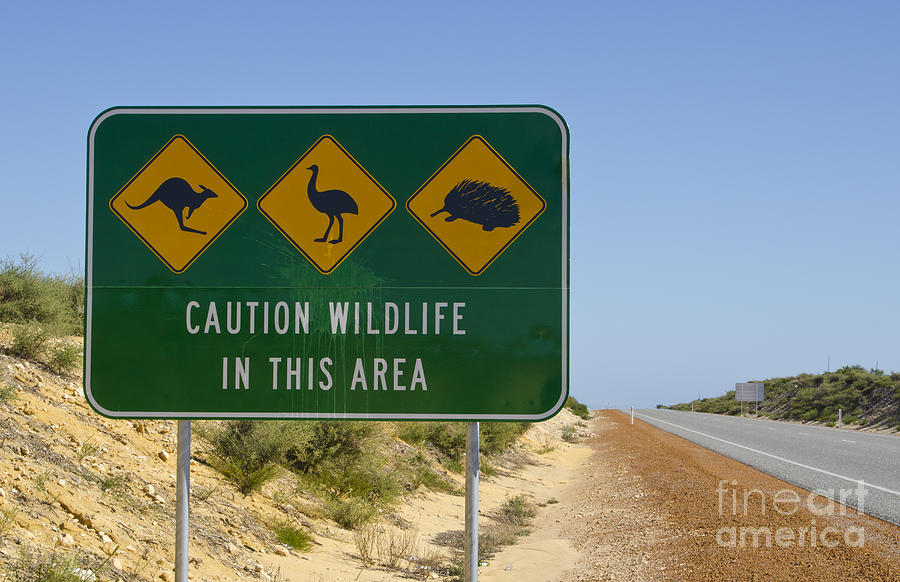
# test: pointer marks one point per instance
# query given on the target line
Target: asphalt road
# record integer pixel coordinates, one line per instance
(832, 462)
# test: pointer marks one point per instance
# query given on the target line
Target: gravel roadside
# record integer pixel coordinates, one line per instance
(653, 506)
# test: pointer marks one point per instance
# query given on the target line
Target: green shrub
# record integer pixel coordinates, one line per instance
(512, 521)
(454, 465)
(496, 437)
(246, 477)
(326, 443)
(29, 340)
(26, 295)
(578, 408)
(413, 433)
(7, 392)
(247, 452)
(486, 468)
(113, 483)
(518, 511)
(347, 460)
(63, 358)
(428, 478)
(350, 514)
(55, 566)
(7, 519)
(292, 536)
(810, 415)
(449, 438)
(370, 481)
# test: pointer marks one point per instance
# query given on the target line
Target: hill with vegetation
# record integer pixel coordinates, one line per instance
(868, 398)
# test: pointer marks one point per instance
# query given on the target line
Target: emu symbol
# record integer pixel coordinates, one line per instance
(334, 203)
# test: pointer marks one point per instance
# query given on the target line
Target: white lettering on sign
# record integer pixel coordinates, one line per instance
(241, 373)
(281, 320)
(212, 318)
(391, 318)
(191, 329)
(323, 365)
(310, 373)
(457, 318)
(400, 374)
(340, 315)
(233, 329)
(379, 375)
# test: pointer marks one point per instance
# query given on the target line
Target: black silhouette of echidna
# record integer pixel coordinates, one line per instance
(481, 203)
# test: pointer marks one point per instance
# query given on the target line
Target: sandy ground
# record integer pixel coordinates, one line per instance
(540, 556)
(546, 552)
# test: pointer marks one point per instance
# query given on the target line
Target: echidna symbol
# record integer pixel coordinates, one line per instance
(481, 203)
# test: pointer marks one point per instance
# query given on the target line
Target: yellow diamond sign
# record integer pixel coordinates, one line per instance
(178, 204)
(326, 204)
(476, 205)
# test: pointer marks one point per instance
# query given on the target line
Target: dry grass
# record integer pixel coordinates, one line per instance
(397, 549)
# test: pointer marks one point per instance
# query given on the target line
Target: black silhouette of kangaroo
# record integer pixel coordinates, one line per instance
(177, 195)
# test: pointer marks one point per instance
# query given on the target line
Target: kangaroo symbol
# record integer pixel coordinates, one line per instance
(333, 203)
(177, 195)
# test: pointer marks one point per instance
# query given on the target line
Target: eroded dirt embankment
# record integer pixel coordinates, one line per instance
(654, 506)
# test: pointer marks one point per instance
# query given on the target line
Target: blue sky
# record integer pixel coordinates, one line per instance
(734, 165)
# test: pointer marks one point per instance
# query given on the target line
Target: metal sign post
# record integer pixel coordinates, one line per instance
(471, 533)
(182, 498)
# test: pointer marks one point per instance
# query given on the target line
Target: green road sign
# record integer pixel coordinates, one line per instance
(349, 263)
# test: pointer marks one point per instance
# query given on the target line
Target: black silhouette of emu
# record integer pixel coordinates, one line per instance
(177, 195)
(481, 203)
(334, 203)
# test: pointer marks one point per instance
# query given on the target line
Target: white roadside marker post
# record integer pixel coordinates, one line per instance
(471, 533)
(182, 496)
(840, 417)
(632, 415)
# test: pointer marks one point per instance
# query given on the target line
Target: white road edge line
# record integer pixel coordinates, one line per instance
(823, 471)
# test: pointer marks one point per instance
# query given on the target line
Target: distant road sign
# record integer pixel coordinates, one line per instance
(750, 392)
(322, 300)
